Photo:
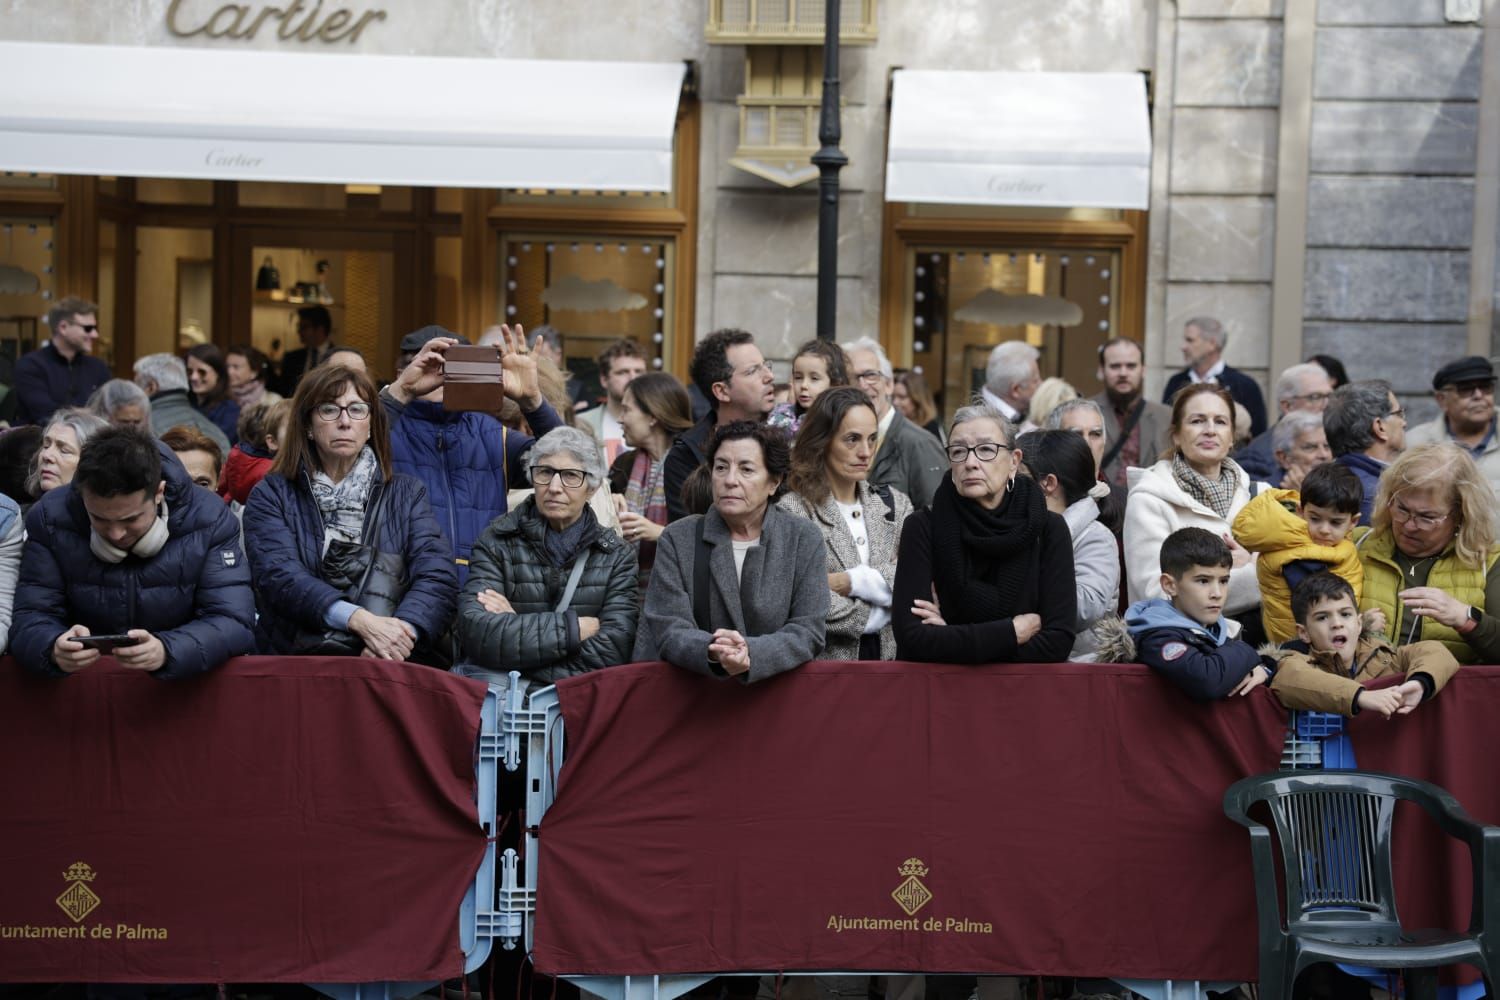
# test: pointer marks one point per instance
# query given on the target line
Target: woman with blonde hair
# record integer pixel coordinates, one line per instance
(913, 397)
(1051, 394)
(1430, 555)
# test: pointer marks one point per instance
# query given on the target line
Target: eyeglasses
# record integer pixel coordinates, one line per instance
(1399, 411)
(329, 412)
(541, 475)
(1462, 389)
(1315, 397)
(987, 452)
(870, 377)
(88, 327)
(1426, 522)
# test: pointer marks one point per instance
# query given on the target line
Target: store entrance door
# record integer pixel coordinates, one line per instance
(363, 278)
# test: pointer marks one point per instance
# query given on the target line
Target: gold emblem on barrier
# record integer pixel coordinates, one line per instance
(911, 895)
(78, 900)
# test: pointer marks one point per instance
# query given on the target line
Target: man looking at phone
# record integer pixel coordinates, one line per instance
(132, 560)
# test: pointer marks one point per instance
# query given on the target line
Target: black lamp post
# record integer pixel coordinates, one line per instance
(830, 160)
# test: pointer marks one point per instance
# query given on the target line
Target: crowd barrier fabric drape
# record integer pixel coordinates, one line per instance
(1062, 819)
(274, 820)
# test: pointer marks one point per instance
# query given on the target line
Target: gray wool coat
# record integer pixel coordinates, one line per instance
(540, 642)
(847, 616)
(780, 604)
(910, 460)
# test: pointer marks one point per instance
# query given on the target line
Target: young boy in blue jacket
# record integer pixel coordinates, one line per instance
(1185, 636)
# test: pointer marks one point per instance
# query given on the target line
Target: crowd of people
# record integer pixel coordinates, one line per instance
(215, 506)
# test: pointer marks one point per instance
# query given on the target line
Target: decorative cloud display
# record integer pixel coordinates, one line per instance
(579, 295)
(994, 307)
(17, 281)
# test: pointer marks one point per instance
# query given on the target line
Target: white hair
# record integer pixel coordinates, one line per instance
(1209, 329)
(1289, 383)
(1009, 363)
(166, 370)
(873, 346)
(1292, 426)
(978, 409)
(574, 442)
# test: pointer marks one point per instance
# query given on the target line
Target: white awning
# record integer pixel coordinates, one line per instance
(277, 116)
(1058, 139)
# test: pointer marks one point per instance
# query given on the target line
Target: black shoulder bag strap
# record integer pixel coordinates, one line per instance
(1133, 418)
(701, 555)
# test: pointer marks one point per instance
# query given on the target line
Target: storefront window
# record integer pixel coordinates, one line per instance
(173, 191)
(27, 288)
(355, 286)
(109, 236)
(174, 288)
(964, 302)
(15, 179)
(593, 289)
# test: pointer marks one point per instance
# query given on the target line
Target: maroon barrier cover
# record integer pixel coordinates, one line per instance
(1063, 818)
(308, 820)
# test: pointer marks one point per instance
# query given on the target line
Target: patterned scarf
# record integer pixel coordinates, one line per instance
(343, 503)
(1215, 494)
(646, 494)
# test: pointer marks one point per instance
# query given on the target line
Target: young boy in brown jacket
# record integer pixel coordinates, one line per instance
(1325, 670)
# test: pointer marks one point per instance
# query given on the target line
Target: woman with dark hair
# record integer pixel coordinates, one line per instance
(740, 591)
(986, 575)
(1063, 465)
(208, 377)
(861, 526)
(1333, 366)
(329, 506)
(653, 410)
(248, 370)
(912, 396)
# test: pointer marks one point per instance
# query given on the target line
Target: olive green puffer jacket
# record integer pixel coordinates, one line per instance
(543, 644)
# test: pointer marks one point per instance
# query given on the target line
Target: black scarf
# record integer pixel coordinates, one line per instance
(991, 549)
(563, 546)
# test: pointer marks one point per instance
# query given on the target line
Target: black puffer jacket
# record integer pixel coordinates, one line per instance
(510, 559)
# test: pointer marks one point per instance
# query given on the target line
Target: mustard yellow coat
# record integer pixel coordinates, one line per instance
(1265, 525)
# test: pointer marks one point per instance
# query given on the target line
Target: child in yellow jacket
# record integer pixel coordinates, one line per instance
(1298, 535)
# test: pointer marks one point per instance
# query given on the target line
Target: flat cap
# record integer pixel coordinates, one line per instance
(413, 342)
(1470, 369)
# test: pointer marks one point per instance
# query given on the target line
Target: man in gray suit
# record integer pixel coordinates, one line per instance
(907, 458)
(1147, 426)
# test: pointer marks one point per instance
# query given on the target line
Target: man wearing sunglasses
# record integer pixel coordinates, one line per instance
(1465, 391)
(62, 372)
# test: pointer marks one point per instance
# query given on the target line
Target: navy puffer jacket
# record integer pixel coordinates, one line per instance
(466, 461)
(284, 533)
(194, 595)
(510, 558)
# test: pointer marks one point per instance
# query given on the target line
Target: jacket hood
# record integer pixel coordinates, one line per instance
(1114, 641)
(1158, 612)
(1080, 515)
(1265, 523)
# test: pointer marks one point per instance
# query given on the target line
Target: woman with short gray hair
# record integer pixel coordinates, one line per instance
(63, 438)
(550, 592)
(122, 403)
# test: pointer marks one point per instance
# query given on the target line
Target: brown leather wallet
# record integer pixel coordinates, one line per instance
(473, 379)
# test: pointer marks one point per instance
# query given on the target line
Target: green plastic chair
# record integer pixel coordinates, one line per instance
(1334, 828)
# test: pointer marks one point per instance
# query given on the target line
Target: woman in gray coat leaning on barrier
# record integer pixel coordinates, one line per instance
(861, 525)
(740, 591)
(551, 593)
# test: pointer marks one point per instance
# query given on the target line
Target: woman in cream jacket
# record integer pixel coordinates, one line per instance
(1197, 486)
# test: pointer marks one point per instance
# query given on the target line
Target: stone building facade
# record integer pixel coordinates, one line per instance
(1323, 171)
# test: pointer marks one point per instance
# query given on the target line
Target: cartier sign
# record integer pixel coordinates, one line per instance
(297, 21)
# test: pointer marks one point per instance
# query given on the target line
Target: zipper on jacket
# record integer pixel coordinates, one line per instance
(452, 497)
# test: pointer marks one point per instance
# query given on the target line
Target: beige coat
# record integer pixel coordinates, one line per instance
(1317, 682)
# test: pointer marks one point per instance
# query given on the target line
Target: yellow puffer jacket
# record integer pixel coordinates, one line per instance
(1466, 583)
(1267, 526)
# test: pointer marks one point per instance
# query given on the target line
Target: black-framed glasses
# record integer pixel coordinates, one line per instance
(987, 451)
(329, 412)
(1482, 387)
(541, 475)
(1399, 411)
(88, 327)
